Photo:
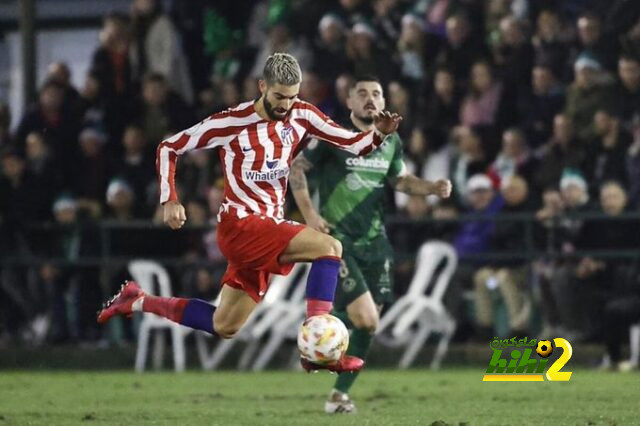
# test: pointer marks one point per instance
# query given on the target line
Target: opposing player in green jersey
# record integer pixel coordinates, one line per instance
(352, 191)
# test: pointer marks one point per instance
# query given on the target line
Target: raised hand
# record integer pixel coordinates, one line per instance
(387, 122)
(174, 214)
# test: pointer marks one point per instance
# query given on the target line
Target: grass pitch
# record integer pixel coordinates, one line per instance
(383, 397)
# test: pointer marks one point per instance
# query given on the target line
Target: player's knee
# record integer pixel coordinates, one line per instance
(226, 330)
(333, 247)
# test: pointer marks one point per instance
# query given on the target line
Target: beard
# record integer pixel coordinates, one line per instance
(366, 119)
(268, 107)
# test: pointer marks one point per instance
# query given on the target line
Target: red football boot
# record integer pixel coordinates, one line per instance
(346, 364)
(121, 303)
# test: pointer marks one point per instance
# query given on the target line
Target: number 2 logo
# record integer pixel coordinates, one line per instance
(554, 373)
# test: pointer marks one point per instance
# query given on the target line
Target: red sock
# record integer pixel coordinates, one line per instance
(168, 307)
(318, 307)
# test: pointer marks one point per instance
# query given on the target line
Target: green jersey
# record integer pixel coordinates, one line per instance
(352, 188)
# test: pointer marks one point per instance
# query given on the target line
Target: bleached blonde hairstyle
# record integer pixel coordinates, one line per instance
(282, 68)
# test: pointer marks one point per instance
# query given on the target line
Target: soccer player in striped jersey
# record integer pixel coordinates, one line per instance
(256, 142)
(352, 190)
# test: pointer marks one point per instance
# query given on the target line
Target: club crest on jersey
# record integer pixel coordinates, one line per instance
(286, 135)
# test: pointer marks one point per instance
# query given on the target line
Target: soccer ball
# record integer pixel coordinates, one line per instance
(544, 348)
(323, 339)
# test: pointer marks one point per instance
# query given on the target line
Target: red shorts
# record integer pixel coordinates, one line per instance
(252, 246)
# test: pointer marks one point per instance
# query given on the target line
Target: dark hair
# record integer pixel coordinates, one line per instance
(364, 78)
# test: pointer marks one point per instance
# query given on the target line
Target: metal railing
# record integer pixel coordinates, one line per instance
(164, 247)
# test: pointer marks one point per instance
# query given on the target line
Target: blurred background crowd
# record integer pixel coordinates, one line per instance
(531, 108)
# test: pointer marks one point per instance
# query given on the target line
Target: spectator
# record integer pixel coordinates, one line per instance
(280, 39)
(329, 53)
(412, 49)
(196, 174)
(473, 238)
(618, 278)
(48, 117)
(628, 89)
(160, 111)
(508, 276)
(461, 50)
(561, 152)
(136, 167)
(513, 56)
(157, 48)
(229, 95)
(484, 103)
(342, 86)
(315, 91)
(387, 16)
(475, 235)
(467, 161)
(593, 42)
(92, 170)
(549, 45)
(564, 232)
(603, 282)
(112, 68)
(442, 108)
(120, 200)
(536, 110)
(366, 57)
(43, 166)
(586, 95)
(400, 103)
(68, 295)
(61, 74)
(21, 198)
(514, 159)
(91, 104)
(607, 153)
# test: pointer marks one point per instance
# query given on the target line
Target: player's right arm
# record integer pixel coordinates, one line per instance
(298, 182)
(212, 132)
(359, 143)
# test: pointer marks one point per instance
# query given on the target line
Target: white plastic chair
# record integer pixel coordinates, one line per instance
(290, 313)
(271, 311)
(148, 273)
(416, 315)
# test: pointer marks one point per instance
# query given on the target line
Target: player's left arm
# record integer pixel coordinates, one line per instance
(358, 143)
(403, 181)
(413, 185)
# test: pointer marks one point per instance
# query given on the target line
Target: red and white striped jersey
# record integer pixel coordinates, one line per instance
(256, 153)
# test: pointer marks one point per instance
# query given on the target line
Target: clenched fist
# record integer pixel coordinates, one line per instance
(174, 214)
(442, 188)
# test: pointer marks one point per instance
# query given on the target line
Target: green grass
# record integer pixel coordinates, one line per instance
(289, 398)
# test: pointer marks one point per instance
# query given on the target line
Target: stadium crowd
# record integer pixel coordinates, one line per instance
(529, 107)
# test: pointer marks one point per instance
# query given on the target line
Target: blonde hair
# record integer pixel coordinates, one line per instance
(282, 68)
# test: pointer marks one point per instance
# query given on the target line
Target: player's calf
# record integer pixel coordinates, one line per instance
(365, 321)
(225, 329)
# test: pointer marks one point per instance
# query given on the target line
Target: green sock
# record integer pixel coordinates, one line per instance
(359, 344)
(344, 317)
